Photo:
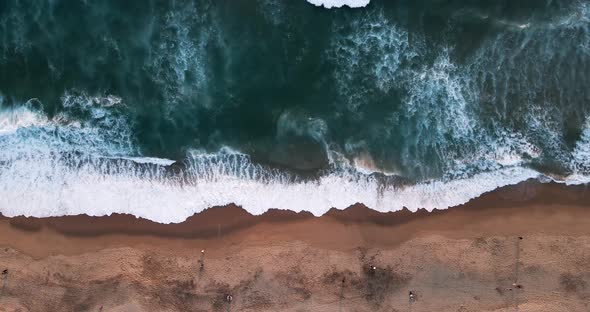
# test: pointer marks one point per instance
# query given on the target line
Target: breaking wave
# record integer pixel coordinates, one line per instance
(55, 167)
(340, 3)
(278, 104)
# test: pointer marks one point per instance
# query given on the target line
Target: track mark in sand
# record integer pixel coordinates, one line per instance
(516, 286)
(4, 280)
(341, 297)
(342, 279)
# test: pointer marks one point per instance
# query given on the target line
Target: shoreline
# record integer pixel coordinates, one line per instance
(466, 258)
(232, 217)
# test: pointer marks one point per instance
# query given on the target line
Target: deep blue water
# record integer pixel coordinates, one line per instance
(476, 93)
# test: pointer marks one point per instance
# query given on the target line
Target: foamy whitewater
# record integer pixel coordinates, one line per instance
(278, 104)
(40, 178)
(339, 3)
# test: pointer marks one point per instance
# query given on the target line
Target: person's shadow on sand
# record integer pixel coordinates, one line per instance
(4, 280)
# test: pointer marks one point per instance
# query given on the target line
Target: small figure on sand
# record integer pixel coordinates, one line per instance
(5, 272)
(412, 296)
(202, 260)
(517, 286)
(229, 298)
(372, 269)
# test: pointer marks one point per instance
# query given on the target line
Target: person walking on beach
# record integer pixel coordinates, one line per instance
(202, 260)
(372, 269)
(229, 298)
(412, 299)
(412, 296)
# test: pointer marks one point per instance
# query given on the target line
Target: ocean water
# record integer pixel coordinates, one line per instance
(162, 109)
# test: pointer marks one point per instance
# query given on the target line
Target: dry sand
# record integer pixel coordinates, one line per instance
(467, 258)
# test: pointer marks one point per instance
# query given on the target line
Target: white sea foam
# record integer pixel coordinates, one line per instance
(57, 167)
(178, 58)
(11, 119)
(36, 179)
(439, 112)
(365, 164)
(340, 3)
(147, 160)
(46, 188)
(64, 166)
(369, 57)
(580, 163)
(575, 179)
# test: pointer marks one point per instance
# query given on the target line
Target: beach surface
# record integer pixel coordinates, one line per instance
(519, 248)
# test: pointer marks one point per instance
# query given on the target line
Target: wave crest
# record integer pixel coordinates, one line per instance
(328, 4)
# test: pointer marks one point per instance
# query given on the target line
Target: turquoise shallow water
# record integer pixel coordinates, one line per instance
(461, 96)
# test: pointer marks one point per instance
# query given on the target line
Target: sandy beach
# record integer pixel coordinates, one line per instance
(520, 248)
(295, 155)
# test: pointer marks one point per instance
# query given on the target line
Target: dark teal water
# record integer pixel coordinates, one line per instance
(421, 90)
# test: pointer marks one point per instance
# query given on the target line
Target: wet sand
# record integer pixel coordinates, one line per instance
(520, 248)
